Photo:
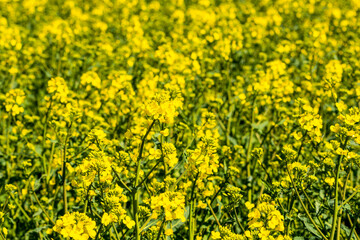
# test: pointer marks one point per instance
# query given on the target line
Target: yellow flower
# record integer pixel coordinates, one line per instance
(202, 205)
(341, 106)
(215, 235)
(49, 231)
(173, 204)
(163, 107)
(128, 222)
(76, 225)
(90, 79)
(106, 219)
(169, 232)
(165, 132)
(58, 88)
(298, 135)
(264, 233)
(249, 205)
(330, 181)
(169, 151)
(14, 98)
(154, 154)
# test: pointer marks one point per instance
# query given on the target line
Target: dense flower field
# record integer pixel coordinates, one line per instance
(179, 119)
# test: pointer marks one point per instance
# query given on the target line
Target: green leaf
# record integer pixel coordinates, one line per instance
(309, 226)
(38, 149)
(346, 229)
(151, 223)
(37, 213)
(232, 140)
(299, 238)
(260, 126)
(347, 207)
(317, 206)
(38, 229)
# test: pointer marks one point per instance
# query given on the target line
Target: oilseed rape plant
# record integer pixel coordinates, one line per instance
(179, 119)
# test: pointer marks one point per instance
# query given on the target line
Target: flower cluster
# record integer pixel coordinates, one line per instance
(13, 101)
(58, 89)
(76, 225)
(172, 203)
(204, 159)
(113, 202)
(266, 221)
(163, 107)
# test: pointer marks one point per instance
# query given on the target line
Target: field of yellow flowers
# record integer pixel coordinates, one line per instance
(179, 119)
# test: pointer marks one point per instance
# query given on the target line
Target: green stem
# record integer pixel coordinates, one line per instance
(6, 202)
(147, 176)
(64, 183)
(160, 230)
(44, 165)
(124, 234)
(50, 162)
(192, 206)
(336, 207)
(87, 199)
(312, 206)
(248, 165)
(64, 170)
(338, 226)
(7, 137)
(136, 191)
(98, 232)
(21, 208)
(42, 208)
(212, 212)
(340, 209)
(146, 222)
(348, 199)
(116, 232)
(303, 205)
(353, 228)
(237, 221)
(2, 237)
(121, 181)
(46, 121)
